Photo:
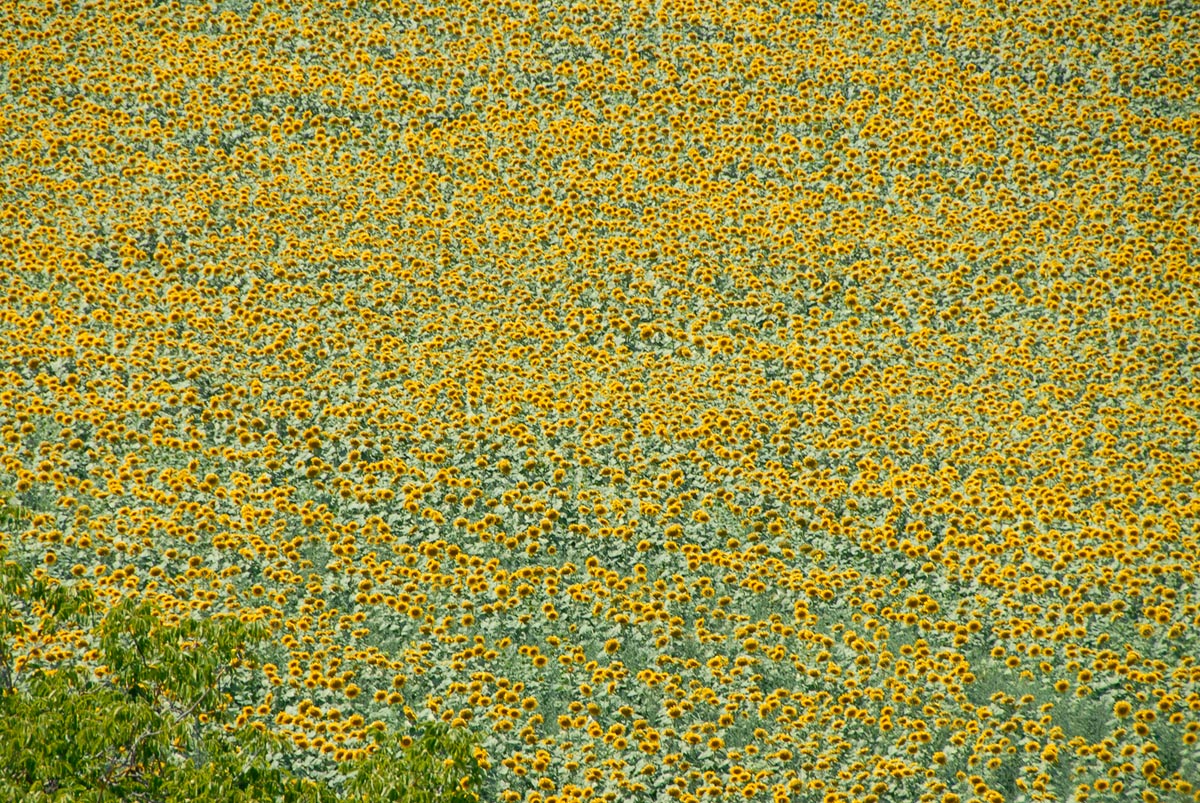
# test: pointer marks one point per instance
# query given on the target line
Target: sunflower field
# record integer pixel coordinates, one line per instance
(777, 400)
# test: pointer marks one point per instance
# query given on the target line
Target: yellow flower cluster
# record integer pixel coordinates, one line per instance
(697, 399)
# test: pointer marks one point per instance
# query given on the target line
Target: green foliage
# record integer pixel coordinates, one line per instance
(437, 765)
(148, 728)
(152, 725)
(11, 514)
(20, 596)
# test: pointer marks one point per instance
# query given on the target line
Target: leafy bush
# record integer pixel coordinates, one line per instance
(439, 765)
(145, 730)
(149, 722)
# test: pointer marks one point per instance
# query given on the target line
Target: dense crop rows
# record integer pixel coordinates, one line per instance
(781, 400)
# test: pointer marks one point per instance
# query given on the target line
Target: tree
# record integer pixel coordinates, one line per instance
(148, 729)
(437, 767)
(146, 722)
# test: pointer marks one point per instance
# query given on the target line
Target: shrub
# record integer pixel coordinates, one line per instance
(149, 721)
